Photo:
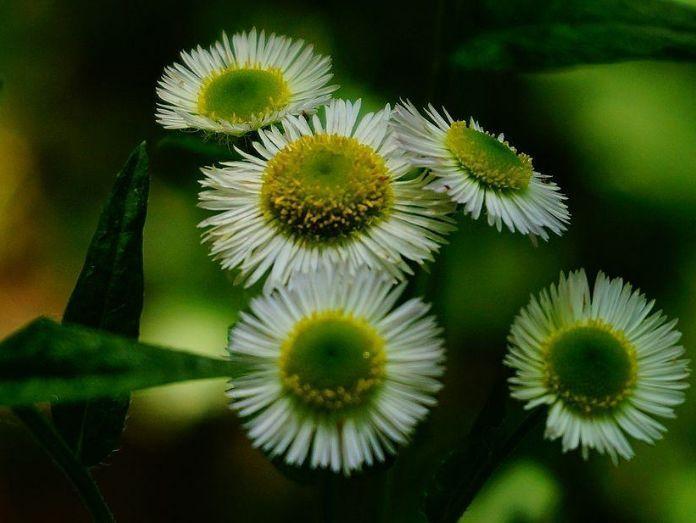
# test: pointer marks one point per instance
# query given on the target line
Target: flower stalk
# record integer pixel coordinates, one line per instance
(49, 439)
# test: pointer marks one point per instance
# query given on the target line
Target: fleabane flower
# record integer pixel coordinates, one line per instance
(604, 362)
(337, 377)
(481, 171)
(319, 193)
(239, 86)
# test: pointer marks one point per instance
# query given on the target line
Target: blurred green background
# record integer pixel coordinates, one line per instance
(78, 94)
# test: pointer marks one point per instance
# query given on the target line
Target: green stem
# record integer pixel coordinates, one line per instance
(498, 429)
(328, 494)
(387, 484)
(438, 42)
(47, 436)
(493, 461)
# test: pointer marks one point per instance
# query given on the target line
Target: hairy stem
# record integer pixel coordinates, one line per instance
(494, 459)
(499, 427)
(47, 436)
(328, 494)
(438, 42)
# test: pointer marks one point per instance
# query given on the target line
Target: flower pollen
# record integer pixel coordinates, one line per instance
(332, 361)
(239, 94)
(591, 366)
(326, 187)
(492, 162)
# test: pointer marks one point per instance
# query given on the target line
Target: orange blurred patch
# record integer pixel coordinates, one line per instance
(24, 293)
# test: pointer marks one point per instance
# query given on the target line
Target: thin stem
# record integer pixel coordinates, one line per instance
(438, 41)
(387, 484)
(499, 427)
(501, 453)
(328, 494)
(54, 445)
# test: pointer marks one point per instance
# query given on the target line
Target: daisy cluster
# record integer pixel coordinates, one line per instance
(332, 209)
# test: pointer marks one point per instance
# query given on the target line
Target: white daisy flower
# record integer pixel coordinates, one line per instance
(336, 376)
(480, 170)
(603, 361)
(239, 86)
(322, 193)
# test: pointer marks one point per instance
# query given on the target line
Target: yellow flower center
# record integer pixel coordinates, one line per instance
(326, 187)
(332, 361)
(492, 162)
(239, 95)
(591, 366)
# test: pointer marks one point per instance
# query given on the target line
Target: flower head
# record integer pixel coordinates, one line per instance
(603, 361)
(321, 193)
(480, 170)
(338, 377)
(239, 86)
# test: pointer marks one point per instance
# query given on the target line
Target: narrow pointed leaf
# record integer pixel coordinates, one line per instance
(47, 361)
(109, 296)
(533, 35)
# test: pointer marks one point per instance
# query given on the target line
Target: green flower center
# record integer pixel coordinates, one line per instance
(237, 95)
(325, 187)
(591, 366)
(332, 361)
(490, 161)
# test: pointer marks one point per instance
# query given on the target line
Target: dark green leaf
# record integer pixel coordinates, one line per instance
(459, 477)
(109, 296)
(532, 35)
(47, 361)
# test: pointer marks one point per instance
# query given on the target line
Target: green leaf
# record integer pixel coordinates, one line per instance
(534, 35)
(47, 361)
(500, 425)
(109, 296)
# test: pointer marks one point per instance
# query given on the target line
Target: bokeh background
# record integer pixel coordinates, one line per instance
(78, 93)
